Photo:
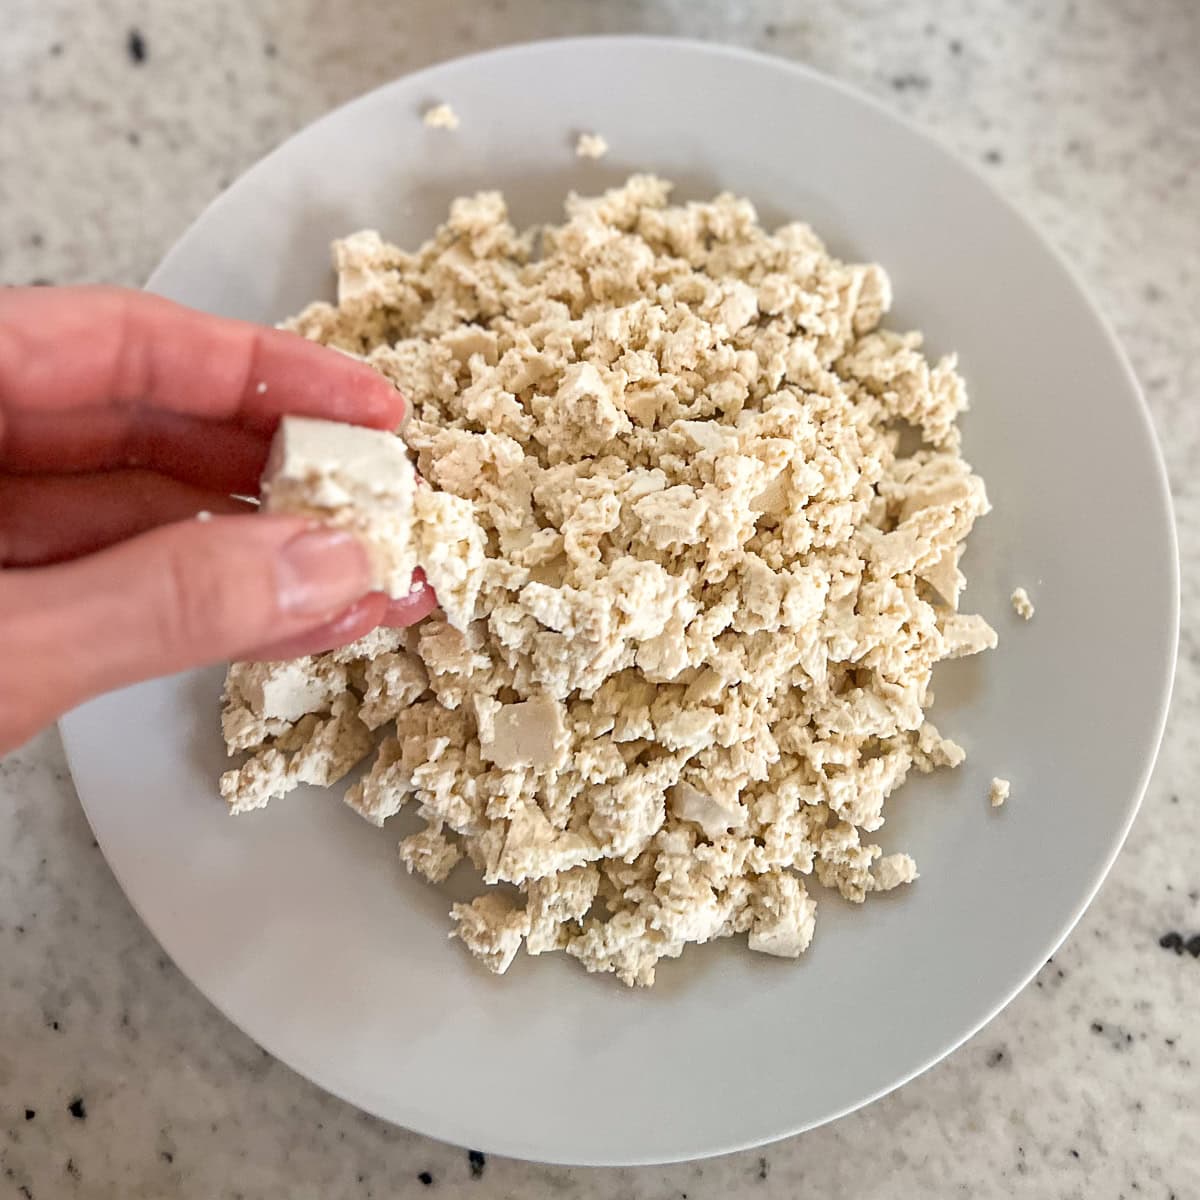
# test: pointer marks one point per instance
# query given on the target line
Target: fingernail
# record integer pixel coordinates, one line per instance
(418, 604)
(319, 572)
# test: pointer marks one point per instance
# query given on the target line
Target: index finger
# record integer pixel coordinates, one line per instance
(100, 348)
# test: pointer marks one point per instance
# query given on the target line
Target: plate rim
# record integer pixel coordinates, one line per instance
(1047, 246)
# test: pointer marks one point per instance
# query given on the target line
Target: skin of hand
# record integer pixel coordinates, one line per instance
(122, 416)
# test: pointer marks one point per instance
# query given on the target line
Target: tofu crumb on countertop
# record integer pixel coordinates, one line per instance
(695, 583)
(591, 145)
(999, 792)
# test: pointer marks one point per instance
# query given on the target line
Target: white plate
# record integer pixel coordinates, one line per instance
(298, 922)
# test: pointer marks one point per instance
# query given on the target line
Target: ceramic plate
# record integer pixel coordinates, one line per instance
(298, 922)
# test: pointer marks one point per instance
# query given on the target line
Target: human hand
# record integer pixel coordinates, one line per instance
(123, 416)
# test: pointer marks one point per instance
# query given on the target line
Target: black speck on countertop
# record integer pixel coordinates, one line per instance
(764, 1168)
(426, 1178)
(78, 1109)
(1097, 1027)
(478, 1163)
(30, 1113)
(136, 45)
(1193, 945)
(995, 1058)
(1172, 941)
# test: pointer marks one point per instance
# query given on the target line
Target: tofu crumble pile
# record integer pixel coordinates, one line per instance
(696, 582)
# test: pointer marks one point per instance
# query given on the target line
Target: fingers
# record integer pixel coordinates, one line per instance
(176, 597)
(51, 518)
(413, 608)
(181, 596)
(357, 621)
(83, 350)
(206, 453)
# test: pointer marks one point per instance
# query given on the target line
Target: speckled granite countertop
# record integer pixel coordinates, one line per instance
(121, 119)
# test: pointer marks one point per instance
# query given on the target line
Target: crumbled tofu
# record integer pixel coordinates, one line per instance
(316, 750)
(591, 145)
(967, 635)
(259, 780)
(999, 792)
(529, 734)
(363, 481)
(556, 904)
(894, 870)
(391, 682)
(441, 116)
(695, 584)
(285, 691)
(784, 916)
(492, 928)
(430, 854)
(1022, 605)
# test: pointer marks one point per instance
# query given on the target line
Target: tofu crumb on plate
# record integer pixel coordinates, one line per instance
(693, 585)
(1022, 605)
(441, 116)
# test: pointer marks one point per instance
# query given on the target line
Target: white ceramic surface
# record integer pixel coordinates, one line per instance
(299, 924)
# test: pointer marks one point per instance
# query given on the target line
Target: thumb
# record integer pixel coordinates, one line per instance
(182, 595)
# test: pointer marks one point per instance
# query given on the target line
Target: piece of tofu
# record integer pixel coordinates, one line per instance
(363, 481)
